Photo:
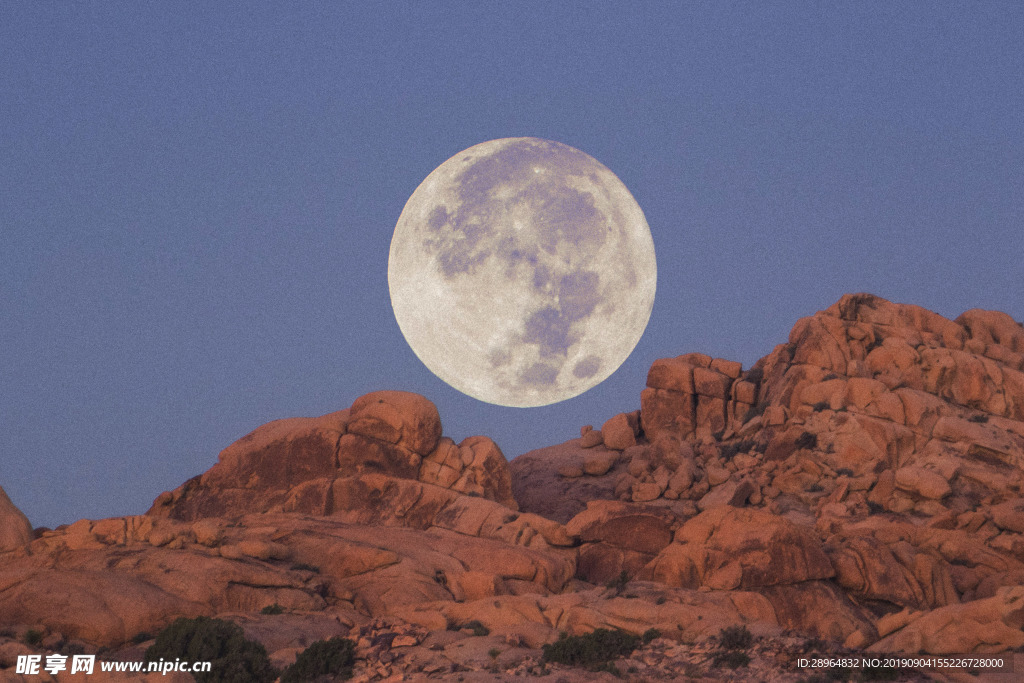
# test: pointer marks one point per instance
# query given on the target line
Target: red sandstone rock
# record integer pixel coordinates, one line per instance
(619, 432)
(397, 417)
(861, 484)
(289, 464)
(15, 530)
(983, 626)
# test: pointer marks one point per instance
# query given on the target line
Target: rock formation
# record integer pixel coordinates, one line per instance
(15, 530)
(303, 464)
(861, 485)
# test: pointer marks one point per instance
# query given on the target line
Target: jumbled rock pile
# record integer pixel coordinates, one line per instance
(859, 489)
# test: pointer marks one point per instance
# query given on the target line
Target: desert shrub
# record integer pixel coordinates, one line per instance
(981, 418)
(33, 637)
(649, 635)
(820, 406)
(591, 650)
(233, 658)
(735, 638)
(141, 637)
(272, 609)
(477, 628)
(806, 440)
(733, 659)
(334, 657)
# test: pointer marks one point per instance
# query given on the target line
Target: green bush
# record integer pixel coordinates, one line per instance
(334, 657)
(591, 650)
(735, 638)
(233, 658)
(272, 609)
(33, 637)
(650, 634)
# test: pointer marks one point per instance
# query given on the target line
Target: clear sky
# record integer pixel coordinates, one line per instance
(197, 199)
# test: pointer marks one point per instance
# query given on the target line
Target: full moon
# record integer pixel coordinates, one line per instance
(522, 272)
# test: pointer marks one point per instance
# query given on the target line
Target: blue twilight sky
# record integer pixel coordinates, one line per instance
(197, 199)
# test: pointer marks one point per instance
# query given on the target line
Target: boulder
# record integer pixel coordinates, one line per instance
(993, 327)
(598, 464)
(990, 625)
(289, 464)
(672, 374)
(486, 472)
(734, 492)
(1009, 515)
(821, 610)
(897, 573)
(538, 486)
(643, 528)
(399, 417)
(667, 413)
(358, 454)
(254, 473)
(923, 482)
(619, 432)
(727, 548)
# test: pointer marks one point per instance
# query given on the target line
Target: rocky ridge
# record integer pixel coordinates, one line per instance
(860, 486)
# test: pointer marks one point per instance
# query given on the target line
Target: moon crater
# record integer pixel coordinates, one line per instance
(522, 272)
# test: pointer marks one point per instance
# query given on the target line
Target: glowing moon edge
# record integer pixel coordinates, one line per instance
(522, 272)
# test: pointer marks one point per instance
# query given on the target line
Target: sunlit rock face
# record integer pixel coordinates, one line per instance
(522, 272)
(295, 464)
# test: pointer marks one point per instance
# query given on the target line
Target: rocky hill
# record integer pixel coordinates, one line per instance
(858, 490)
